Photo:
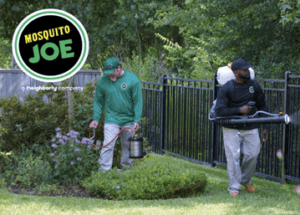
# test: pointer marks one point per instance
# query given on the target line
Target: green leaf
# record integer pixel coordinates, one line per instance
(188, 2)
(15, 8)
(56, 3)
(285, 7)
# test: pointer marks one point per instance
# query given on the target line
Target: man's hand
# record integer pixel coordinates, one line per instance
(265, 135)
(245, 109)
(136, 126)
(94, 124)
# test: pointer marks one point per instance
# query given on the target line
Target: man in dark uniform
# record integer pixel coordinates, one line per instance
(245, 137)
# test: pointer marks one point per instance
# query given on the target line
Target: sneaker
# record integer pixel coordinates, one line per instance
(250, 188)
(234, 193)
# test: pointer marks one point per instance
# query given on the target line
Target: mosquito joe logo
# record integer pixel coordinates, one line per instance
(124, 86)
(50, 45)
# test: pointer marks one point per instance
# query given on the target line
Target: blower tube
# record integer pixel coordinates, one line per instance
(233, 120)
(261, 120)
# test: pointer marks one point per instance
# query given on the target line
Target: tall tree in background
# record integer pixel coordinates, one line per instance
(250, 29)
(115, 27)
(190, 38)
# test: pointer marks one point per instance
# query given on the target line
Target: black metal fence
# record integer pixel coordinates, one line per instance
(177, 110)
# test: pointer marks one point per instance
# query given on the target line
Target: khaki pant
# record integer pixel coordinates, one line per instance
(106, 154)
(235, 142)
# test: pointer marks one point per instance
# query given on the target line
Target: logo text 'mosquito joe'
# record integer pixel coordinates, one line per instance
(53, 32)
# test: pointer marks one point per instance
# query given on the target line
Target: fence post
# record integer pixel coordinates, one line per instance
(213, 144)
(163, 115)
(13, 62)
(284, 164)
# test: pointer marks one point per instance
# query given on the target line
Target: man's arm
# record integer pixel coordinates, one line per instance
(222, 108)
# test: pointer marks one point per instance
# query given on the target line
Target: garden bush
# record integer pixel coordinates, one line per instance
(73, 160)
(153, 177)
(62, 160)
(27, 129)
(65, 159)
(34, 121)
(26, 170)
(4, 159)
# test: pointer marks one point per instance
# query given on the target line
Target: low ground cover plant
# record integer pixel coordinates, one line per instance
(154, 177)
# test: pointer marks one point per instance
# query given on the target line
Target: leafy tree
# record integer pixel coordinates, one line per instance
(233, 29)
(290, 11)
(115, 27)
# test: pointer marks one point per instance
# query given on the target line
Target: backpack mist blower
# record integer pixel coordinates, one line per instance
(135, 144)
(248, 119)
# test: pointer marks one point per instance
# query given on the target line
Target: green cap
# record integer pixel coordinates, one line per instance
(110, 65)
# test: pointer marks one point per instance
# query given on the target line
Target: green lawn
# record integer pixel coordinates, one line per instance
(271, 198)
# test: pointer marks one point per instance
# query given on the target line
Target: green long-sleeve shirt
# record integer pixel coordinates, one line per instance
(122, 100)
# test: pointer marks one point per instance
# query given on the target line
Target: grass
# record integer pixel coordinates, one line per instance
(271, 198)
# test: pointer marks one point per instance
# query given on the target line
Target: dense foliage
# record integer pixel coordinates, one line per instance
(189, 38)
(36, 147)
(34, 121)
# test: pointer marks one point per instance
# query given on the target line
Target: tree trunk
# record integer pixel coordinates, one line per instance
(70, 103)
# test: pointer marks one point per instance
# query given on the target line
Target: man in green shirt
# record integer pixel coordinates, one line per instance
(119, 92)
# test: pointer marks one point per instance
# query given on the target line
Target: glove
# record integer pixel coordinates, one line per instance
(245, 109)
(94, 124)
(136, 126)
(265, 135)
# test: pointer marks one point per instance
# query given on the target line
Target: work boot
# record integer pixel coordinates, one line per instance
(250, 188)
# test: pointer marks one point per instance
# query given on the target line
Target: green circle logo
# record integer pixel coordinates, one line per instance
(50, 45)
(251, 89)
(124, 86)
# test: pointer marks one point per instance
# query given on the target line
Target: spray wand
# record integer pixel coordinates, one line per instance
(111, 140)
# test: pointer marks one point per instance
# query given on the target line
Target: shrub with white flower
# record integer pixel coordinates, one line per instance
(71, 158)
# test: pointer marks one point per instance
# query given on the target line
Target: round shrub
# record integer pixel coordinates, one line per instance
(154, 177)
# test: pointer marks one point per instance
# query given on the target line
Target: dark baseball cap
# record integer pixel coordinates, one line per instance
(110, 65)
(240, 64)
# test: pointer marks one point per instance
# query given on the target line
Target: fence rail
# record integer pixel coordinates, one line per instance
(177, 112)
